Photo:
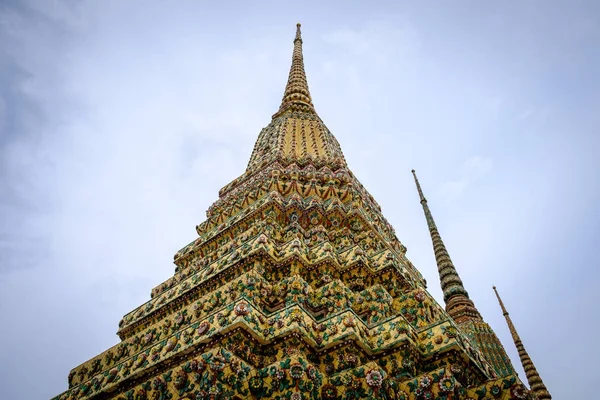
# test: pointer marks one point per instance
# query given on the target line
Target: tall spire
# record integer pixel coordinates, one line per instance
(297, 95)
(296, 134)
(533, 377)
(458, 304)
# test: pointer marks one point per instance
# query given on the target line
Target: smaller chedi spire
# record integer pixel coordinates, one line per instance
(533, 377)
(458, 304)
(296, 94)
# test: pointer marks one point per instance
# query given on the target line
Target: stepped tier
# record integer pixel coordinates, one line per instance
(296, 288)
(293, 276)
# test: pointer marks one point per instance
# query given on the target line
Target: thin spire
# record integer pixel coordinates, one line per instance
(533, 377)
(458, 304)
(296, 93)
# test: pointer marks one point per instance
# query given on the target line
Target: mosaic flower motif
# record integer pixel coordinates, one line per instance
(296, 315)
(329, 392)
(242, 373)
(217, 364)
(420, 296)
(141, 359)
(447, 384)
(346, 379)
(401, 395)
(374, 378)
(425, 381)
(159, 384)
(255, 383)
(518, 392)
(171, 343)
(155, 354)
(428, 395)
(311, 371)
(308, 386)
(277, 373)
(296, 371)
(242, 308)
(148, 337)
(296, 396)
(351, 359)
(180, 379)
(496, 390)
(203, 328)
(349, 321)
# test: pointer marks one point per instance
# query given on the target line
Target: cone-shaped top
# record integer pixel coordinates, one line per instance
(296, 91)
(296, 134)
(458, 304)
(533, 377)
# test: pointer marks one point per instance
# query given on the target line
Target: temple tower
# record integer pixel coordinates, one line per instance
(533, 377)
(296, 288)
(458, 304)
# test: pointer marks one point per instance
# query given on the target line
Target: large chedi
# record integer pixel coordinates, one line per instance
(297, 288)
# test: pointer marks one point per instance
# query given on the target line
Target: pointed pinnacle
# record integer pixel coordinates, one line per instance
(296, 94)
(458, 304)
(533, 377)
(418, 186)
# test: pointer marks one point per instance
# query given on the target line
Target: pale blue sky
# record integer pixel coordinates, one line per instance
(121, 120)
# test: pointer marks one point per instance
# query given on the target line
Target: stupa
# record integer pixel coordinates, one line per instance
(298, 288)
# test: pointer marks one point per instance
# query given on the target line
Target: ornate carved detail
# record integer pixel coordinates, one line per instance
(296, 288)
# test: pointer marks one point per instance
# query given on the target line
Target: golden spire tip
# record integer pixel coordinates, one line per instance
(298, 33)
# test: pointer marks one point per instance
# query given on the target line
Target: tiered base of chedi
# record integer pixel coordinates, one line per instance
(297, 288)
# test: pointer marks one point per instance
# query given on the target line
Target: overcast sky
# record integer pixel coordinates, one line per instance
(121, 120)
